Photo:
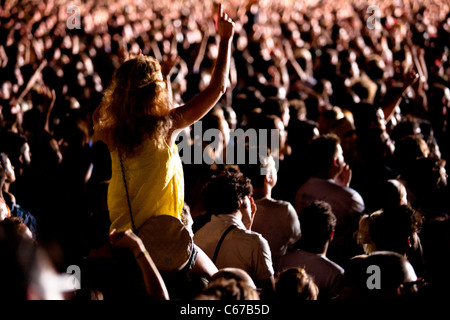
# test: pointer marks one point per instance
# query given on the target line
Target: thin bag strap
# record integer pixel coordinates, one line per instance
(219, 244)
(128, 196)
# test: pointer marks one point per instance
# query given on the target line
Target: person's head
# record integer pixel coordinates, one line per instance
(362, 235)
(295, 284)
(376, 68)
(8, 170)
(230, 192)
(439, 102)
(234, 273)
(26, 271)
(263, 173)
(300, 133)
(297, 109)
(396, 229)
(407, 150)
(392, 193)
(408, 126)
(427, 175)
(368, 116)
(228, 289)
(16, 146)
(215, 119)
(17, 223)
(318, 223)
(244, 102)
(135, 106)
(325, 156)
(364, 90)
(187, 217)
(276, 133)
(382, 275)
(278, 107)
(328, 117)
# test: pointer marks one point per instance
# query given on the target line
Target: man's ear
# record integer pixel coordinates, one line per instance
(335, 162)
(253, 206)
(409, 242)
(331, 235)
(268, 177)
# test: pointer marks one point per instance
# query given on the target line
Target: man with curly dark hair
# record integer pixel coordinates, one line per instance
(318, 225)
(227, 239)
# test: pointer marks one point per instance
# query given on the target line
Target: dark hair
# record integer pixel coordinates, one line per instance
(134, 107)
(390, 193)
(317, 221)
(255, 171)
(392, 228)
(274, 106)
(321, 152)
(3, 159)
(394, 272)
(224, 191)
(12, 144)
(407, 150)
(365, 116)
(19, 258)
(295, 284)
(228, 289)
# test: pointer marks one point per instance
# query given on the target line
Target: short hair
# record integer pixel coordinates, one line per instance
(365, 116)
(20, 265)
(321, 152)
(223, 192)
(391, 229)
(12, 144)
(295, 284)
(409, 149)
(317, 221)
(228, 289)
(3, 159)
(395, 271)
(274, 106)
(425, 175)
(255, 171)
(391, 192)
(233, 273)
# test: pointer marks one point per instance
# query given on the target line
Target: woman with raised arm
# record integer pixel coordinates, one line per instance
(137, 122)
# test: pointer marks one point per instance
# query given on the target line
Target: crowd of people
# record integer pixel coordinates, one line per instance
(360, 99)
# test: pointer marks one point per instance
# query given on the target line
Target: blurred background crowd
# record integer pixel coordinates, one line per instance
(378, 79)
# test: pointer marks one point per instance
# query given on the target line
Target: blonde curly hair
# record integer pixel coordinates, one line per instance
(135, 107)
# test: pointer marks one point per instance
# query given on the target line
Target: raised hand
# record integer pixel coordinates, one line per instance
(225, 26)
(126, 239)
(168, 63)
(344, 178)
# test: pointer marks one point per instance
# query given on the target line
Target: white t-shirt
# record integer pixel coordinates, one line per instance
(277, 221)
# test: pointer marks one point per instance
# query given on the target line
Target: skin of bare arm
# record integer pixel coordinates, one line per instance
(199, 106)
(153, 280)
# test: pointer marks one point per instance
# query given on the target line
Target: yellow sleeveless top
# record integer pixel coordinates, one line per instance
(155, 186)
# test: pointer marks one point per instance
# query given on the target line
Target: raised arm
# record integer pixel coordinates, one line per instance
(153, 280)
(198, 106)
